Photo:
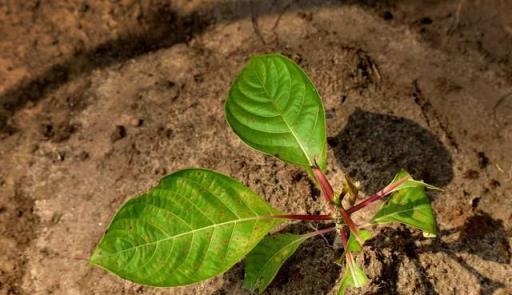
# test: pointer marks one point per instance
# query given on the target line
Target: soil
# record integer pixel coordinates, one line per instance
(100, 99)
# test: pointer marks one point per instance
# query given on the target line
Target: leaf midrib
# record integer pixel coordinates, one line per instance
(402, 211)
(192, 232)
(304, 151)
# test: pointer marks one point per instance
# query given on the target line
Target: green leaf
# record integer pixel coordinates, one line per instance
(274, 107)
(353, 245)
(264, 261)
(409, 205)
(410, 183)
(194, 225)
(353, 277)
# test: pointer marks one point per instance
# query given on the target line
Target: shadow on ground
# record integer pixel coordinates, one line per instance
(373, 147)
(481, 235)
(312, 265)
(167, 27)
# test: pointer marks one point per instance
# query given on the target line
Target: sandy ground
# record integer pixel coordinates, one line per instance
(98, 100)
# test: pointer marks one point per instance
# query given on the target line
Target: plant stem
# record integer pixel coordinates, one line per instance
(305, 217)
(329, 196)
(320, 232)
(326, 187)
(351, 225)
(343, 236)
(379, 195)
(350, 261)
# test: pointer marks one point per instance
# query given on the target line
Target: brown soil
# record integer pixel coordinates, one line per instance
(100, 99)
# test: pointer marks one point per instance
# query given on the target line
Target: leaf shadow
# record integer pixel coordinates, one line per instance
(489, 242)
(310, 270)
(373, 147)
(171, 27)
(481, 235)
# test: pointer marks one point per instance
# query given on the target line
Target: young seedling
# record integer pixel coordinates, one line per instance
(196, 224)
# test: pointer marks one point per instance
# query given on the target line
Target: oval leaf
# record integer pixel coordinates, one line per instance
(274, 107)
(194, 225)
(409, 205)
(264, 261)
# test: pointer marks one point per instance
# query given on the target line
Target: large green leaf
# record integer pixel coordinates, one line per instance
(274, 107)
(264, 261)
(194, 225)
(353, 277)
(410, 205)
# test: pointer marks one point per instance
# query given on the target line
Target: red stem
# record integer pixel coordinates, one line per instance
(326, 187)
(343, 236)
(379, 195)
(304, 217)
(329, 196)
(351, 225)
(365, 203)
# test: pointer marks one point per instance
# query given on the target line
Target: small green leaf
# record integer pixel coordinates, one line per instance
(274, 107)
(353, 277)
(410, 205)
(353, 245)
(411, 182)
(194, 225)
(265, 260)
